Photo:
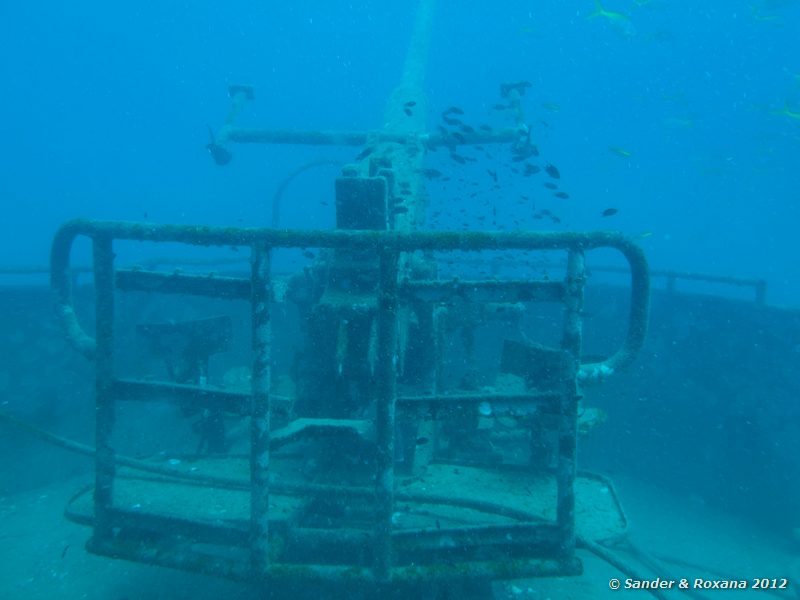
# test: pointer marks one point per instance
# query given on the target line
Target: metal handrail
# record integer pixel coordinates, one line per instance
(375, 240)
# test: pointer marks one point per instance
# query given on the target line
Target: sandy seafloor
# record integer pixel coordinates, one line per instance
(42, 554)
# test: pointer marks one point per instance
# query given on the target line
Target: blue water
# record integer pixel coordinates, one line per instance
(682, 116)
(105, 108)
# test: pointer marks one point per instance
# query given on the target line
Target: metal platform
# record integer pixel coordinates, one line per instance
(488, 518)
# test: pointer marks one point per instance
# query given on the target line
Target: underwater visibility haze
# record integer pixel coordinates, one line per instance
(439, 398)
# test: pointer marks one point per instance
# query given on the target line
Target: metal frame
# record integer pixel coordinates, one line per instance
(388, 246)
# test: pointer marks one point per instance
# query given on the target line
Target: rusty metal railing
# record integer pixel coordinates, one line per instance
(387, 246)
(397, 241)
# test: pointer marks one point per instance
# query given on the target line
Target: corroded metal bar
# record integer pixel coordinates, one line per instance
(207, 397)
(484, 290)
(345, 544)
(573, 303)
(477, 398)
(568, 419)
(440, 314)
(512, 534)
(181, 283)
(103, 256)
(181, 556)
(401, 241)
(421, 546)
(385, 396)
(259, 422)
(61, 280)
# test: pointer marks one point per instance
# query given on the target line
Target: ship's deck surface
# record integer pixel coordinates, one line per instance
(490, 495)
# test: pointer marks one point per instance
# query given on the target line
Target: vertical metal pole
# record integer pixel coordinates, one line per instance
(440, 315)
(259, 423)
(103, 256)
(568, 420)
(386, 392)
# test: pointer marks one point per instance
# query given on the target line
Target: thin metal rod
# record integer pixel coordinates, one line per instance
(259, 423)
(568, 418)
(386, 392)
(103, 256)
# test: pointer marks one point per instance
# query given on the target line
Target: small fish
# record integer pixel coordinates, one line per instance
(500, 107)
(492, 174)
(459, 159)
(431, 173)
(484, 127)
(454, 110)
(619, 20)
(398, 210)
(562, 195)
(551, 106)
(408, 111)
(609, 212)
(308, 254)
(552, 171)
(458, 137)
(410, 104)
(451, 120)
(550, 186)
(531, 169)
(467, 129)
(221, 156)
(620, 152)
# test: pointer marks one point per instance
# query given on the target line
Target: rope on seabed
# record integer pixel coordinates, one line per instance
(657, 559)
(595, 548)
(615, 561)
(125, 461)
